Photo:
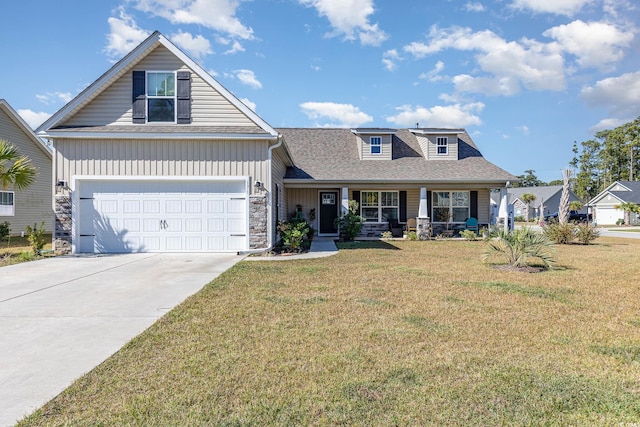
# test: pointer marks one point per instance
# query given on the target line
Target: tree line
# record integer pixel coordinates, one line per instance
(611, 155)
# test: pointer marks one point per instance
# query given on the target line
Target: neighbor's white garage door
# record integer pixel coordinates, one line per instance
(161, 216)
(607, 216)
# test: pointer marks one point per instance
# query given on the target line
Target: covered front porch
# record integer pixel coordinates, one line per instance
(427, 211)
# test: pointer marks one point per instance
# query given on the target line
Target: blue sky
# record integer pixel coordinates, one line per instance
(526, 78)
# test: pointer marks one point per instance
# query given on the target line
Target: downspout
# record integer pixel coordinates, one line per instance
(269, 204)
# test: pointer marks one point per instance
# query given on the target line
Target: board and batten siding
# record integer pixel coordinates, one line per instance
(120, 157)
(33, 204)
(365, 147)
(114, 105)
(428, 145)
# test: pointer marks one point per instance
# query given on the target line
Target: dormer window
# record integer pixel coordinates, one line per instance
(161, 97)
(376, 144)
(442, 145)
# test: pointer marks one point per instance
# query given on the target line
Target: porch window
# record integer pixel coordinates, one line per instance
(7, 203)
(442, 143)
(450, 206)
(379, 206)
(376, 144)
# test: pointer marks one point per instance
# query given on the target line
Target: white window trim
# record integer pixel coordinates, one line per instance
(174, 97)
(379, 145)
(380, 207)
(8, 210)
(442, 142)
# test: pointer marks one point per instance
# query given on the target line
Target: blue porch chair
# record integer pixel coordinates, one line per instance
(471, 224)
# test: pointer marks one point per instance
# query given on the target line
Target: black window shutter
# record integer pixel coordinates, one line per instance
(184, 97)
(403, 206)
(429, 204)
(139, 97)
(474, 204)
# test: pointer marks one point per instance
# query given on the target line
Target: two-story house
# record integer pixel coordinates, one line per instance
(156, 155)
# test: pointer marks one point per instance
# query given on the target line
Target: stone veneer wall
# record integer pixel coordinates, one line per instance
(423, 225)
(258, 222)
(62, 227)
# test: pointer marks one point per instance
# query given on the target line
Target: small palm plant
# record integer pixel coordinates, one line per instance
(15, 170)
(520, 245)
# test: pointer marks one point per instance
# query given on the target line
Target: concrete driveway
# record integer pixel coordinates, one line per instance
(62, 316)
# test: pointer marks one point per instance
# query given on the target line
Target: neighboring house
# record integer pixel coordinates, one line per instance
(394, 174)
(33, 205)
(548, 195)
(157, 156)
(603, 205)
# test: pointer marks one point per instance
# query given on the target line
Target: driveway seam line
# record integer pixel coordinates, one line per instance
(77, 278)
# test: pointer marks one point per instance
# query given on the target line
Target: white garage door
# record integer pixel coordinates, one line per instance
(162, 216)
(608, 216)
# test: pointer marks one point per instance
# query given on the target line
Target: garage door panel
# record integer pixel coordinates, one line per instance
(130, 216)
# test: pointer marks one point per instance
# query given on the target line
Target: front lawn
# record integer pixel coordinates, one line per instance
(384, 333)
(16, 249)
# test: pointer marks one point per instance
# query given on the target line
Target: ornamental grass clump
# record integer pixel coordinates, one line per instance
(518, 246)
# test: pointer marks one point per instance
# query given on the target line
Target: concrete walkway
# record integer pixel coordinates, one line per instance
(61, 317)
(320, 247)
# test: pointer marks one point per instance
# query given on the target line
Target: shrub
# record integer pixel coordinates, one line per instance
(350, 224)
(519, 218)
(292, 233)
(519, 245)
(4, 230)
(620, 221)
(559, 233)
(36, 238)
(412, 235)
(386, 235)
(468, 234)
(586, 233)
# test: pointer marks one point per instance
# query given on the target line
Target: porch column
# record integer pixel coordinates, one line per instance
(345, 201)
(503, 211)
(423, 210)
(423, 223)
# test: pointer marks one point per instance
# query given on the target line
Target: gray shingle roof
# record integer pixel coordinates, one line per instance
(324, 154)
(542, 193)
(632, 196)
(142, 129)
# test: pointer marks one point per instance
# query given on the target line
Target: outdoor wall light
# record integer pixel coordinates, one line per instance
(258, 184)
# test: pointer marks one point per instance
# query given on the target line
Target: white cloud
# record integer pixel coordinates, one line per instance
(340, 115)
(621, 94)
(510, 64)
(350, 18)
(390, 58)
(50, 97)
(608, 123)
(219, 15)
(33, 119)
(524, 129)
(236, 47)
(558, 7)
(456, 115)
(248, 78)
(433, 75)
(596, 44)
(474, 7)
(197, 47)
(124, 34)
(251, 105)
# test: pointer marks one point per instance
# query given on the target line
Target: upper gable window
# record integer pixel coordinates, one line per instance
(7, 203)
(376, 144)
(161, 97)
(442, 143)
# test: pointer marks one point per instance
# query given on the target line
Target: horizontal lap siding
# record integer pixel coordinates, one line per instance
(114, 105)
(305, 197)
(365, 144)
(162, 158)
(428, 144)
(34, 204)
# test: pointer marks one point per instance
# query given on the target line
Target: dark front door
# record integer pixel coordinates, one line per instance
(328, 211)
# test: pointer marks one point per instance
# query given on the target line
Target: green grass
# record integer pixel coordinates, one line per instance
(16, 249)
(400, 333)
